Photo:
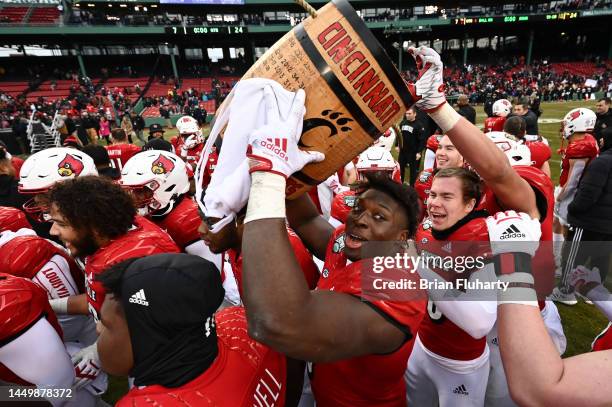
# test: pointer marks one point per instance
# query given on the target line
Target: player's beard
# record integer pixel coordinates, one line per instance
(86, 246)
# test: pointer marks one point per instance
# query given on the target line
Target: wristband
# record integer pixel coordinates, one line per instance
(520, 290)
(267, 196)
(59, 305)
(445, 116)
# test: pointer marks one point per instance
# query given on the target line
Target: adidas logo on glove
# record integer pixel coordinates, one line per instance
(461, 390)
(511, 233)
(277, 146)
(139, 298)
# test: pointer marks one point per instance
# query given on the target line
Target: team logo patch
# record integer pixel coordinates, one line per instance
(427, 224)
(338, 244)
(162, 165)
(325, 273)
(70, 166)
(349, 201)
(425, 176)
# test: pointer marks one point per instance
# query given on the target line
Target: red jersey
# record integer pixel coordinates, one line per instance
(13, 219)
(437, 333)
(22, 303)
(25, 256)
(144, 239)
(369, 380)
(303, 256)
(192, 156)
(209, 167)
(603, 340)
(543, 263)
(181, 223)
(422, 185)
(583, 148)
(17, 164)
(342, 204)
(495, 123)
(244, 374)
(540, 152)
(119, 154)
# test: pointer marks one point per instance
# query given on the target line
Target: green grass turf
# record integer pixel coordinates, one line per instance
(581, 322)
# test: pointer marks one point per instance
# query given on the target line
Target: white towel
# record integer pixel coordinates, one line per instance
(230, 184)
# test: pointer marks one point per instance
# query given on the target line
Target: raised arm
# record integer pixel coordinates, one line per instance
(281, 311)
(490, 163)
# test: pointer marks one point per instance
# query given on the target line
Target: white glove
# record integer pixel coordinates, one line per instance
(512, 232)
(428, 91)
(582, 275)
(274, 147)
(86, 366)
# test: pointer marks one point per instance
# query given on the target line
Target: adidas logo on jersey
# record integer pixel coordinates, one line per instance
(461, 390)
(139, 298)
(511, 233)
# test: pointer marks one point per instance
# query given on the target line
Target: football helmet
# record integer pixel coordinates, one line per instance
(377, 159)
(43, 169)
(578, 120)
(502, 108)
(518, 154)
(156, 179)
(189, 131)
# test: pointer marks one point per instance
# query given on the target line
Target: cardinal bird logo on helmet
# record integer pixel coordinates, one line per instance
(70, 166)
(162, 165)
(574, 115)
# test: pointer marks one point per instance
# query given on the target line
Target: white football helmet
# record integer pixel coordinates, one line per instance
(377, 159)
(518, 154)
(156, 179)
(502, 108)
(189, 131)
(578, 120)
(43, 169)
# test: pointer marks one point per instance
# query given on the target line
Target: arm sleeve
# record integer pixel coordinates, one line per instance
(590, 188)
(474, 311)
(56, 279)
(39, 357)
(430, 159)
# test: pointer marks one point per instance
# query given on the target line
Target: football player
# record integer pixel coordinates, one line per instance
(331, 327)
(190, 141)
(96, 220)
(581, 149)
(538, 146)
(501, 109)
(120, 151)
(161, 326)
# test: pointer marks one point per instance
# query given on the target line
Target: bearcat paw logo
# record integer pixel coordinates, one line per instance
(313, 131)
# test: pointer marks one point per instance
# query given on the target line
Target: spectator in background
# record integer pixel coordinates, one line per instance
(90, 123)
(163, 112)
(603, 125)
(531, 119)
(102, 161)
(139, 125)
(105, 129)
(156, 131)
(410, 144)
(465, 109)
(127, 126)
(9, 195)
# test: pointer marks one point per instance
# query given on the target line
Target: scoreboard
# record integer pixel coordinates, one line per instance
(206, 30)
(516, 18)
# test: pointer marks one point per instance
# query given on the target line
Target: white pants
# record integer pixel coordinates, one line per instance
(498, 394)
(434, 380)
